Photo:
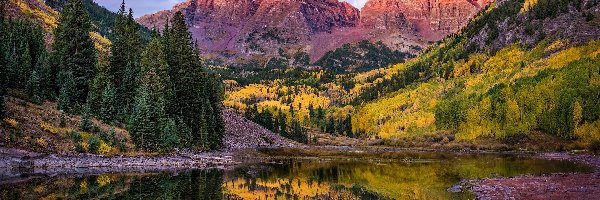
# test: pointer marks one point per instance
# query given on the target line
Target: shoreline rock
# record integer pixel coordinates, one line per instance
(554, 186)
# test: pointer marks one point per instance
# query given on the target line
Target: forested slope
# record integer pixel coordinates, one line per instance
(520, 67)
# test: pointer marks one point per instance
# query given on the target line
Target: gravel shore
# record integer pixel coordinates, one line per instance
(555, 186)
(14, 164)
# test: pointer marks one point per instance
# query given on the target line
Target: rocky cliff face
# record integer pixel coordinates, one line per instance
(258, 29)
(430, 19)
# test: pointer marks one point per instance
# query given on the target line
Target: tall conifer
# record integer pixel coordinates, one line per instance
(149, 111)
(74, 54)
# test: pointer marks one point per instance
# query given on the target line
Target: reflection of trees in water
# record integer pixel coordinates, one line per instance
(292, 180)
(199, 184)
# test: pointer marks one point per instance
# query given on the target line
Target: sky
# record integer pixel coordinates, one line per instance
(142, 7)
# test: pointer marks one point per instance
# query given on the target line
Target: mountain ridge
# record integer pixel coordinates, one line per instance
(259, 29)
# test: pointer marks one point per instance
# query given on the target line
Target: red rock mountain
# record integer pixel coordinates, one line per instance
(431, 19)
(257, 29)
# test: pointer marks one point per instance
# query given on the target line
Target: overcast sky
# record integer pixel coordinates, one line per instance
(142, 7)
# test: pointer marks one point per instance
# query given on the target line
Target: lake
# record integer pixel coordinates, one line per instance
(406, 176)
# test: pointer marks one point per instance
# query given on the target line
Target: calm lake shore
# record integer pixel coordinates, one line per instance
(554, 186)
(20, 166)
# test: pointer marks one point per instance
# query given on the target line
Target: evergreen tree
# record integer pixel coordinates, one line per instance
(108, 110)
(97, 88)
(44, 72)
(3, 55)
(124, 61)
(204, 130)
(143, 123)
(283, 125)
(86, 123)
(168, 135)
(298, 132)
(185, 70)
(20, 72)
(37, 87)
(149, 111)
(216, 94)
(67, 91)
(330, 125)
(74, 53)
(33, 87)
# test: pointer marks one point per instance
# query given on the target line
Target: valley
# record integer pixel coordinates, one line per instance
(316, 99)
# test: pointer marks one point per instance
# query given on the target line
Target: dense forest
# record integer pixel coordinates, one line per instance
(161, 92)
(103, 20)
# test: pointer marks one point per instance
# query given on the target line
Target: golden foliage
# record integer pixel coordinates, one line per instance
(588, 131)
(39, 12)
(101, 43)
(528, 5)
(104, 148)
(408, 112)
(49, 128)
(41, 143)
(505, 59)
(103, 180)
(12, 122)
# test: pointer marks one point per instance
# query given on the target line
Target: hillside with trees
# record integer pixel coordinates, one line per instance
(102, 19)
(513, 75)
(481, 83)
(162, 93)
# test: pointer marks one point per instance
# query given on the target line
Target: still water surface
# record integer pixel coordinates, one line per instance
(417, 177)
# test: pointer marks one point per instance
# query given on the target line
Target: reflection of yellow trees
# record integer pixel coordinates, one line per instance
(528, 5)
(283, 188)
(103, 180)
(83, 187)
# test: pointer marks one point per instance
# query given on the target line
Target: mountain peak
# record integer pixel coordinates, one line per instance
(250, 28)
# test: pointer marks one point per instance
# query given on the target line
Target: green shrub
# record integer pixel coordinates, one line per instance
(94, 143)
(75, 136)
(110, 138)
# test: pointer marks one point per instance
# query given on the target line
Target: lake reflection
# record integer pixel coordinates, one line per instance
(293, 179)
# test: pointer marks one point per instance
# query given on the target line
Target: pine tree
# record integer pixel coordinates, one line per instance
(216, 94)
(283, 125)
(108, 110)
(74, 53)
(168, 135)
(67, 91)
(298, 132)
(97, 87)
(205, 129)
(126, 48)
(37, 87)
(45, 75)
(143, 124)
(86, 123)
(23, 69)
(33, 87)
(185, 71)
(149, 110)
(3, 52)
(119, 56)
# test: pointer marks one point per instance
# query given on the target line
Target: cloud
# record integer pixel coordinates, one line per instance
(140, 7)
